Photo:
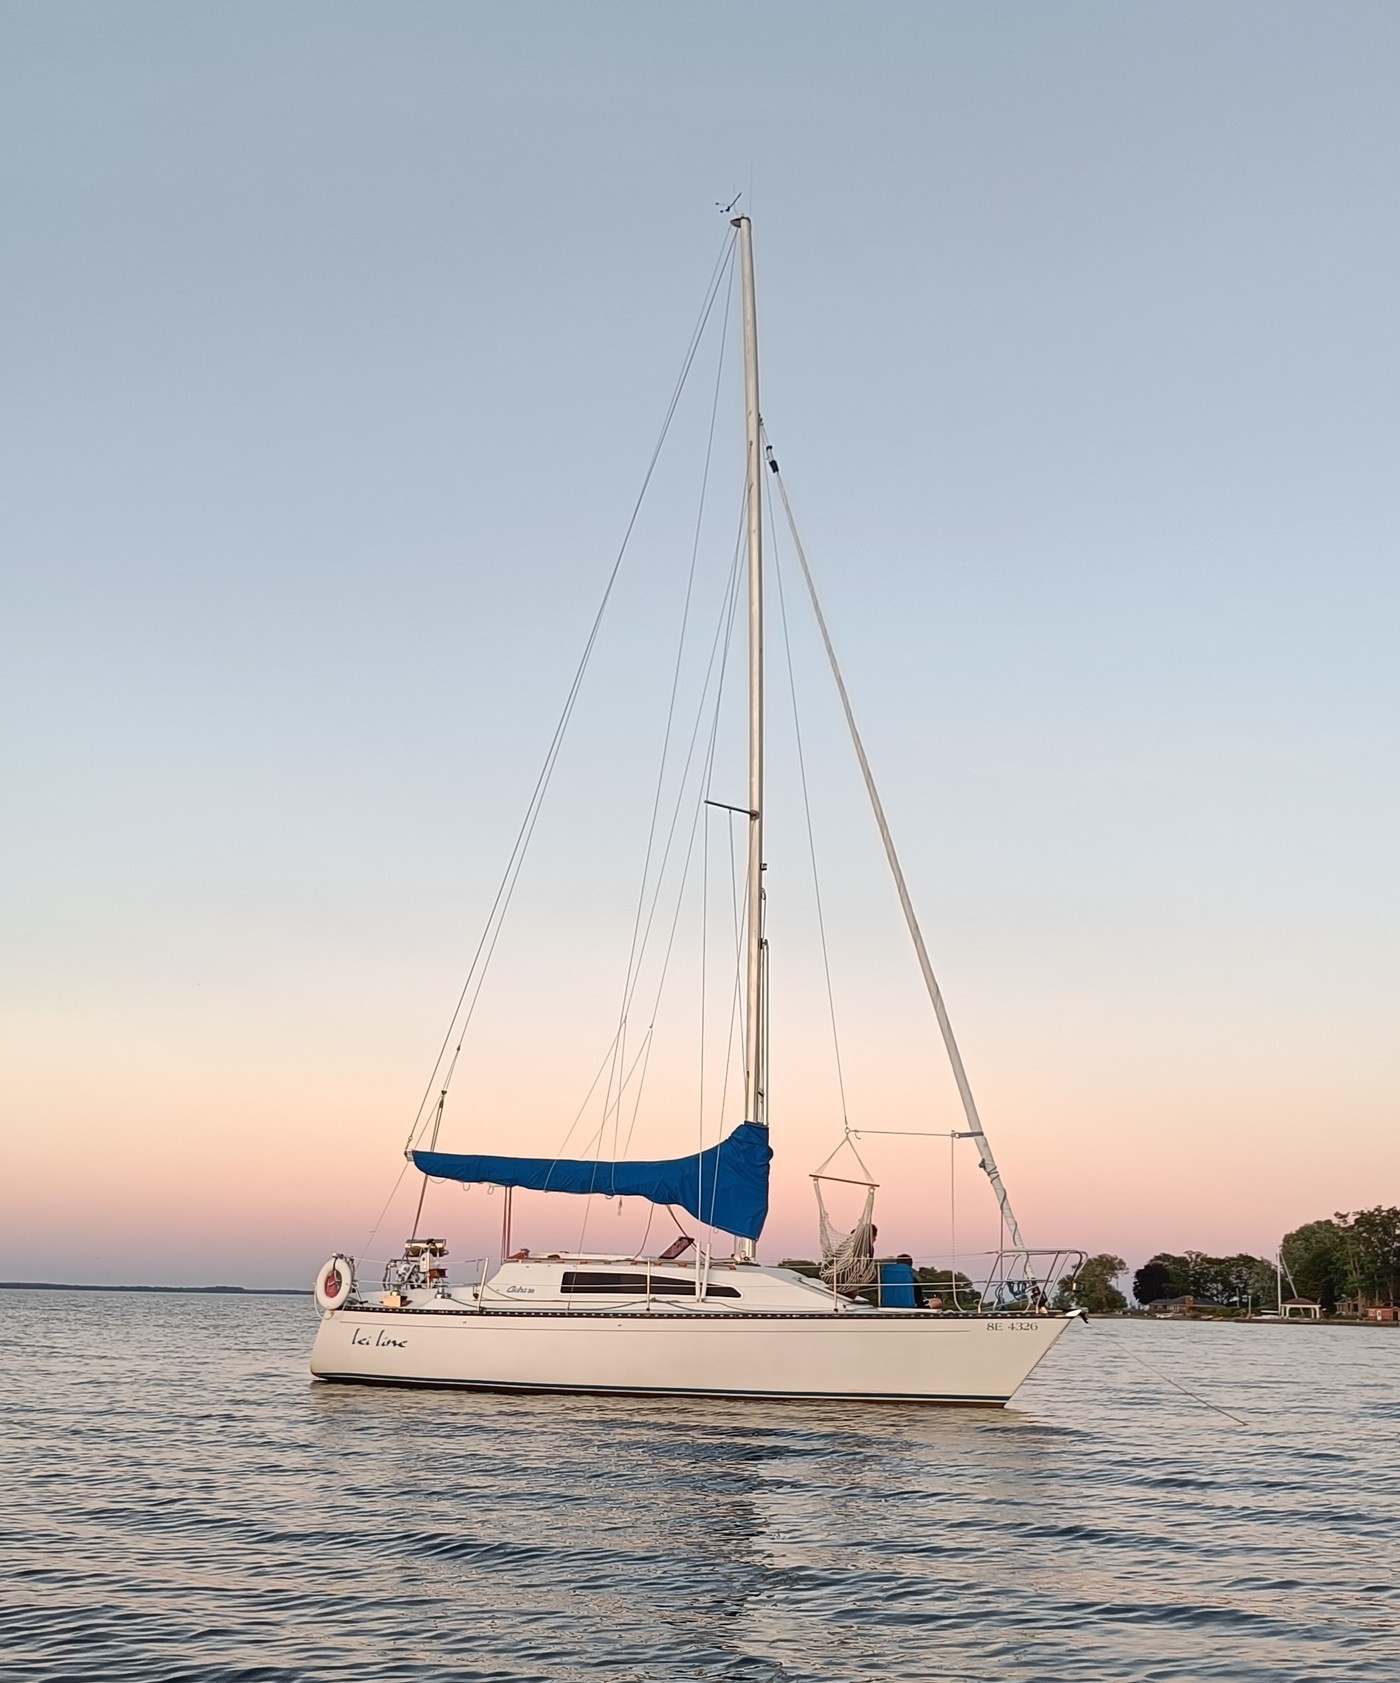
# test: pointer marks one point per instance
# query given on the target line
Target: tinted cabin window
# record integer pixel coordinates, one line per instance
(635, 1285)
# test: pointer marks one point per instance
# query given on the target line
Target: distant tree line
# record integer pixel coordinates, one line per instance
(1208, 1279)
(1353, 1257)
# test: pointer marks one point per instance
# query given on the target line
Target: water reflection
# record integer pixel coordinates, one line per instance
(180, 1502)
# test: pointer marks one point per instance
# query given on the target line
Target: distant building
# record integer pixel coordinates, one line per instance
(1301, 1309)
(1181, 1305)
(1382, 1312)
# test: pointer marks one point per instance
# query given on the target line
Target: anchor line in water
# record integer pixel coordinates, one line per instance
(1167, 1379)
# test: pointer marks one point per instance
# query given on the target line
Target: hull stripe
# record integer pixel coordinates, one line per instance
(659, 1391)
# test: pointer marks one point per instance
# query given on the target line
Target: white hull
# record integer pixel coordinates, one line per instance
(882, 1356)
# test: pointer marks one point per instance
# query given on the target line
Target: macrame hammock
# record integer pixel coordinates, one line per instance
(848, 1259)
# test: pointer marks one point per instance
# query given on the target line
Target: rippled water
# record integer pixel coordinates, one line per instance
(179, 1501)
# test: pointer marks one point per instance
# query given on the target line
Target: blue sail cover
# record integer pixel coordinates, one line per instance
(726, 1186)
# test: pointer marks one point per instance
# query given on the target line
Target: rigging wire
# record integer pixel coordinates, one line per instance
(505, 892)
(736, 995)
(700, 808)
(704, 975)
(735, 991)
(592, 1088)
(935, 994)
(379, 1219)
(719, 650)
(634, 956)
(717, 667)
(807, 812)
(638, 1069)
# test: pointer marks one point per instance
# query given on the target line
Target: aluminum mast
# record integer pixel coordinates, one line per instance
(755, 1078)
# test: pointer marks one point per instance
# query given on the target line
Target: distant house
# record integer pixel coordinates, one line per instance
(1181, 1305)
(1354, 1307)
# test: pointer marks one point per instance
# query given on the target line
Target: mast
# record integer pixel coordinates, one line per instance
(755, 1096)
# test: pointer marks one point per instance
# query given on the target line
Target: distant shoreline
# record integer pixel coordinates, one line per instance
(1245, 1320)
(188, 1291)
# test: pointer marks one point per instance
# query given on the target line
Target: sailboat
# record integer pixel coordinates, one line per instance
(707, 1323)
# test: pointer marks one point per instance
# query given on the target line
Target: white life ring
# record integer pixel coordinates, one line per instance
(335, 1282)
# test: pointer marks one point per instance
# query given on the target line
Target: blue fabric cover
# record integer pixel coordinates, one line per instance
(897, 1286)
(726, 1186)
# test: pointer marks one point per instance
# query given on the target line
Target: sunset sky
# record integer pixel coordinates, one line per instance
(337, 338)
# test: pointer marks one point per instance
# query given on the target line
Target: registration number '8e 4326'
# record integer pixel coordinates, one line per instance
(1013, 1326)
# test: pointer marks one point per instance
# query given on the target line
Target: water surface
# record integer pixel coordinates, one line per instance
(178, 1501)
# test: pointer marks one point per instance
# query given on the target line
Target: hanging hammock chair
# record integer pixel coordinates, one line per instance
(848, 1259)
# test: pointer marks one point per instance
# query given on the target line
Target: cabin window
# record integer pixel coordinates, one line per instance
(635, 1285)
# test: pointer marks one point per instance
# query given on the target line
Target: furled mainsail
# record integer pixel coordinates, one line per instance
(726, 1186)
